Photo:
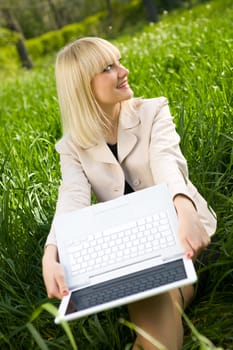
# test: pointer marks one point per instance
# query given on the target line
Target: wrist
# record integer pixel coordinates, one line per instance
(50, 252)
(182, 202)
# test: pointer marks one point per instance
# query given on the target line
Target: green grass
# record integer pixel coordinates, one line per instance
(186, 57)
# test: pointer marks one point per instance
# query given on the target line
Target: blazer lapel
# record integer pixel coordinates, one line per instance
(127, 128)
(126, 142)
(127, 139)
(101, 153)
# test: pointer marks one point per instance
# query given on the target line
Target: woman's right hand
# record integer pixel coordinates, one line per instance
(53, 274)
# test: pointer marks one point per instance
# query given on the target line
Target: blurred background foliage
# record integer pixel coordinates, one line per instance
(187, 57)
(31, 28)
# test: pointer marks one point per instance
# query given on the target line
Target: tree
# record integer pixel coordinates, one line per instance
(12, 24)
(151, 10)
(109, 9)
(56, 14)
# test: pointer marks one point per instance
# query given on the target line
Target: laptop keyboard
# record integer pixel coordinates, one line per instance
(127, 285)
(121, 245)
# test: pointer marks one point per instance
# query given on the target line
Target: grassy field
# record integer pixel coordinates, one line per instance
(186, 57)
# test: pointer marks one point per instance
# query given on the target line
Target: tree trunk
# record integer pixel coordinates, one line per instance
(109, 9)
(13, 25)
(56, 15)
(151, 10)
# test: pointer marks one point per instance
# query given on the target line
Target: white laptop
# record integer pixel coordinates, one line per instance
(120, 251)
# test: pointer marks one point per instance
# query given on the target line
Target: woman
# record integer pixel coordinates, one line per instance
(114, 144)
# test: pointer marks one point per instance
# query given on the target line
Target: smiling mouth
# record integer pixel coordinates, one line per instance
(123, 84)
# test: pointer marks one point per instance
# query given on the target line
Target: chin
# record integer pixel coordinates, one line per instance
(130, 94)
(127, 98)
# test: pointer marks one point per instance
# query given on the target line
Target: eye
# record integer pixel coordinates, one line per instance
(108, 68)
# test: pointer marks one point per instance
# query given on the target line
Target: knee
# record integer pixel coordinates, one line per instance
(160, 318)
(150, 306)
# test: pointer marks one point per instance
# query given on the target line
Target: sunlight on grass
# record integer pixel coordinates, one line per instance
(144, 334)
(205, 343)
(186, 57)
(54, 312)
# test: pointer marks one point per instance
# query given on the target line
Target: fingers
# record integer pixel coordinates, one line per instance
(193, 244)
(193, 237)
(54, 278)
(189, 250)
(61, 282)
(192, 233)
(59, 288)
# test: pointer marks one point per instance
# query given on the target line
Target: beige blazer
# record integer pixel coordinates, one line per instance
(148, 152)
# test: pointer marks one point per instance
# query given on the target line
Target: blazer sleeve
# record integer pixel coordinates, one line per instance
(74, 191)
(166, 159)
(169, 165)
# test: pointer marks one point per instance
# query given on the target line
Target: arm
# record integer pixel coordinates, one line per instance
(75, 190)
(53, 273)
(166, 159)
(169, 165)
(192, 233)
(74, 193)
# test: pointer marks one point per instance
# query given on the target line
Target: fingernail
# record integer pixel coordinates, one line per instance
(189, 255)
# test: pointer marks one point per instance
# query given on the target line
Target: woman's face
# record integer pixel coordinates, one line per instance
(111, 86)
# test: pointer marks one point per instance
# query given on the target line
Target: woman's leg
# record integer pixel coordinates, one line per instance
(160, 317)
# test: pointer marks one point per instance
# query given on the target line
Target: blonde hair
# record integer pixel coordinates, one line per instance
(76, 65)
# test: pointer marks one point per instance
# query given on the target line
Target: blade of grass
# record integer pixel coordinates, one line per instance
(205, 343)
(53, 311)
(144, 334)
(37, 337)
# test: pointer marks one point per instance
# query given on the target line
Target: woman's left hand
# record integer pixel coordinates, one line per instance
(191, 231)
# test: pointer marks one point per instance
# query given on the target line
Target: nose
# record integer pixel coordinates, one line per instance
(122, 71)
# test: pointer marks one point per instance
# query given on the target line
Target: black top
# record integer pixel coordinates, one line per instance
(113, 148)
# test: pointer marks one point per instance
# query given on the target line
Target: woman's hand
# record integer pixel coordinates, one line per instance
(53, 274)
(192, 233)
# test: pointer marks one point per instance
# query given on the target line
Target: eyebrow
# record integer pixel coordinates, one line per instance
(110, 63)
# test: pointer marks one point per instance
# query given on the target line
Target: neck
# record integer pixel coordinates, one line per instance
(113, 114)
